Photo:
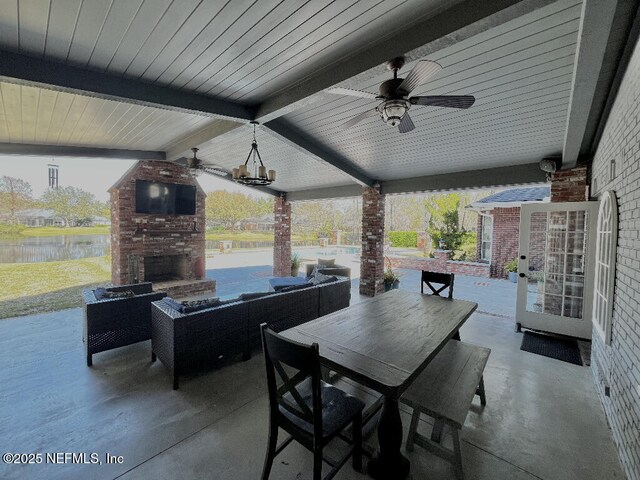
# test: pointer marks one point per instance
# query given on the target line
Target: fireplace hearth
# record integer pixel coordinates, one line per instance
(166, 268)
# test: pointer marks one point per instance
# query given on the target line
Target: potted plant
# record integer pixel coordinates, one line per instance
(391, 278)
(511, 268)
(295, 264)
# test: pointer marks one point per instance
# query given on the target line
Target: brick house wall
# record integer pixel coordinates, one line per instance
(616, 167)
(504, 246)
(441, 264)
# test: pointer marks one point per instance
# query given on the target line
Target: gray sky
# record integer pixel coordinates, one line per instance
(94, 175)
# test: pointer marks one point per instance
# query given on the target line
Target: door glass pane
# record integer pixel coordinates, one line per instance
(557, 247)
(535, 277)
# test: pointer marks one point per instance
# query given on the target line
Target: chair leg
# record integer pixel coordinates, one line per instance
(480, 392)
(413, 427)
(456, 336)
(457, 455)
(175, 381)
(436, 433)
(153, 357)
(317, 464)
(271, 450)
(89, 359)
(357, 443)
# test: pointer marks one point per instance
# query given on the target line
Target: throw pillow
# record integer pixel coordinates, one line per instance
(320, 278)
(189, 306)
(170, 302)
(99, 293)
(122, 294)
(326, 262)
(254, 295)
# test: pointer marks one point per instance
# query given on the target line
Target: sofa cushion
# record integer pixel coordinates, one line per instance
(295, 287)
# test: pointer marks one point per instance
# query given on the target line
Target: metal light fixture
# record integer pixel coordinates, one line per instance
(254, 173)
(392, 111)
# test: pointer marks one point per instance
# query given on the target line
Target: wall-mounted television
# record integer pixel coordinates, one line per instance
(165, 198)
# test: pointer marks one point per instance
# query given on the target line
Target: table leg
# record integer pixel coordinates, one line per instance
(390, 463)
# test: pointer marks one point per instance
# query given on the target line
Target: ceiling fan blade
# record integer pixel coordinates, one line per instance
(406, 124)
(452, 101)
(214, 170)
(182, 161)
(358, 118)
(351, 92)
(423, 70)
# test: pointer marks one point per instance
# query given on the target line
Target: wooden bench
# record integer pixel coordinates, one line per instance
(444, 391)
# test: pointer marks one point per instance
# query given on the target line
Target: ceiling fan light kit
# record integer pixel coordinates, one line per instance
(253, 172)
(394, 93)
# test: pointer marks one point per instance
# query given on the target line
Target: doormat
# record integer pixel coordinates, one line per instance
(559, 348)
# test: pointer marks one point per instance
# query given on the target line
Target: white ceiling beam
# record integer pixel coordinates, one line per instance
(604, 27)
(39, 72)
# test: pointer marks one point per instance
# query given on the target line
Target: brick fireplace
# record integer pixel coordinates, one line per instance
(168, 250)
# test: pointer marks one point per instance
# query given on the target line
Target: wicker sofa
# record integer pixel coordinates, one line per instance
(115, 322)
(191, 342)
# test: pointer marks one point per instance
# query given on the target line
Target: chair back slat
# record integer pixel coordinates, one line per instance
(442, 281)
(290, 363)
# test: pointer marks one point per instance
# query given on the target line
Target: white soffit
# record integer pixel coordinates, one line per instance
(39, 116)
(520, 73)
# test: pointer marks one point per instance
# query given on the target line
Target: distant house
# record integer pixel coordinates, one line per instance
(260, 224)
(499, 224)
(39, 217)
(43, 217)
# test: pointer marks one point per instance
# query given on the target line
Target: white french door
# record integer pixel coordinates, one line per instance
(555, 267)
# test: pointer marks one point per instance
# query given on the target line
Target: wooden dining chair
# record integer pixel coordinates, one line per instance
(311, 411)
(437, 283)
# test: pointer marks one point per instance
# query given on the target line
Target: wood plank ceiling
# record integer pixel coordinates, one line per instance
(249, 51)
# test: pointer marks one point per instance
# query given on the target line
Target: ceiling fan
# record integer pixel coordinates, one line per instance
(197, 166)
(394, 93)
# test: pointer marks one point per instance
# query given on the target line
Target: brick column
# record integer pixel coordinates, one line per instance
(570, 185)
(282, 238)
(372, 259)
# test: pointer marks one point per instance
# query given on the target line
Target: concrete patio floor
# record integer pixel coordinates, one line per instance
(543, 419)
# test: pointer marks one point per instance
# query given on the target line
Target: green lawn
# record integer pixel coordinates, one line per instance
(27, 288)
(53, 231)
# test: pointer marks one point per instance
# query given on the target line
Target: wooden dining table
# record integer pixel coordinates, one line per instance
(384, 343)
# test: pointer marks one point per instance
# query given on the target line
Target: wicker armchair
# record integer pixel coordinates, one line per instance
(115, 322)
(337, 270)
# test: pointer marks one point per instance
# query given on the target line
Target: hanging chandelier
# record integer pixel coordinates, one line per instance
(253, 172)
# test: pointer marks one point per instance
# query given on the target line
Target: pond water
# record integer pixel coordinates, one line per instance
(71, 247)
(49, 249)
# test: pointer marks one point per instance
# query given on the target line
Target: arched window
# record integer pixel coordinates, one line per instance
(605, 265)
